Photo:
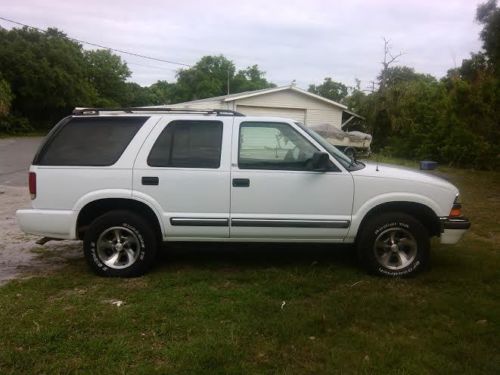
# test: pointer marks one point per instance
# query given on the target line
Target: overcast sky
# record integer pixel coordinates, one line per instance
(288, 39)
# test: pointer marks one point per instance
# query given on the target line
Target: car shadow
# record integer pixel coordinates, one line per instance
(255, 255)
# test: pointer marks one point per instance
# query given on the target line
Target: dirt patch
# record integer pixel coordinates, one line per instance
(20, 256)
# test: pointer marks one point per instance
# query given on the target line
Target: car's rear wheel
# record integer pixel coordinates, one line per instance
(394, 244)
(120, 244)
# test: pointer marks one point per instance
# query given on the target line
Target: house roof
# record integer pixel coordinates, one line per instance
(248, 94)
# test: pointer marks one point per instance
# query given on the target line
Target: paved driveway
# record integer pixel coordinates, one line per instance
(19, 255)
(16, 155)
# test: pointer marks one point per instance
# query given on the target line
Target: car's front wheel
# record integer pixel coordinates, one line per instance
(120, 244)
(394, 244)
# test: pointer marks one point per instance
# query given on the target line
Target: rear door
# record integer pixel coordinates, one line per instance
(274, 193)
(183, 169)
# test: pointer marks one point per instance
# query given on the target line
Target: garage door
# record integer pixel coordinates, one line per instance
(292, 113)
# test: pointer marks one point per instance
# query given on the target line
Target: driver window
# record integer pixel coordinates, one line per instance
(268, 145)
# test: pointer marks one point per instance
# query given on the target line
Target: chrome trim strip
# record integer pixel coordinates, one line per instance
(290, 223)
(199, 222)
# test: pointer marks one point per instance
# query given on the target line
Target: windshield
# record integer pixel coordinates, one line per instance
(347, 162)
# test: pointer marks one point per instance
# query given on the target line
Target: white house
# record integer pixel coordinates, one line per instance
(286, 101)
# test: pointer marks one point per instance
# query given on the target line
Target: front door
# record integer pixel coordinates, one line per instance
(274, 193)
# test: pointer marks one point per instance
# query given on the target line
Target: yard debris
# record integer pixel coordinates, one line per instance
(356, 283)
(482, 322)
(367, 358)
(115, 302)
(283, 304)
(312, 338)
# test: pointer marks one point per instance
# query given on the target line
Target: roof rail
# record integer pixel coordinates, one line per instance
(96, 111)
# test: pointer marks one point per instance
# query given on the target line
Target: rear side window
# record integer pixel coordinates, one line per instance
(188, 144)
(89, 141)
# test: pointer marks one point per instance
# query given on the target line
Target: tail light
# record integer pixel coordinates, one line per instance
(32, 184)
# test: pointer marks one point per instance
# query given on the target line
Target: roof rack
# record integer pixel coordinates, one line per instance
(96, 111)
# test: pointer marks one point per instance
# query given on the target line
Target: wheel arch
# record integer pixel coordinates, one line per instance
(98, 207)
(421, 212)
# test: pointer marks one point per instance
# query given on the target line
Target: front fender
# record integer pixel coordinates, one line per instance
(359, 215)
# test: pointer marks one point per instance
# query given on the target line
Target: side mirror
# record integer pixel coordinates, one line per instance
(320, 162)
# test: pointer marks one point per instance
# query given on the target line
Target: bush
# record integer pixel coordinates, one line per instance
(10, 124)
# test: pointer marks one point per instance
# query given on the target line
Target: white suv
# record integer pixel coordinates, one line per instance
(123, 181)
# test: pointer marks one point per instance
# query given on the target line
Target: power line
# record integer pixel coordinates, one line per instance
(101, 46)
(152, 66)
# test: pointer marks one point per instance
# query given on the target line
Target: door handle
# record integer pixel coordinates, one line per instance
(150, 180)
(241, 182)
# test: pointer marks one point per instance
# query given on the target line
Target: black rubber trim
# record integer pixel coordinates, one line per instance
(458, 223)
(199, 222)
(280, 223)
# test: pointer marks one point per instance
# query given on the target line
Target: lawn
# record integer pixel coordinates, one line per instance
(286, 309)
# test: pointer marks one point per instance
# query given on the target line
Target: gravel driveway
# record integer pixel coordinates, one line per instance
(19, 255)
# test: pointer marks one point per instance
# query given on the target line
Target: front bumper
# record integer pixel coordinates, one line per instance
(452, 229)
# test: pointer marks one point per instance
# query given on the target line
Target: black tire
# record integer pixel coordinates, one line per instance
(137, 245)
(375, 245)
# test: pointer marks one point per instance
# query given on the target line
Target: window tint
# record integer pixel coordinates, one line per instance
(89, 141)
(267, 145)
(188, 144)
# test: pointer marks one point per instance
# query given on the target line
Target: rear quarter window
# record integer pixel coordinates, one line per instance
(89, 141)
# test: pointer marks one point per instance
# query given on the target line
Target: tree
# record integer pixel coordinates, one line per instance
(215, 76)
(330, 89)
(251, 78)
(5, 97)
(134, 95)
(208, 77)
(396, 75)
(46, 73)
(161, 92)
(107, 73)
(10, 124)
(389, 59)
(488, 14)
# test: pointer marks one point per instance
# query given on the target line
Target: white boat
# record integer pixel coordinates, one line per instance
(354, 142)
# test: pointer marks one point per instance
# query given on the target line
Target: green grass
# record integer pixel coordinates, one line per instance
(211, 308)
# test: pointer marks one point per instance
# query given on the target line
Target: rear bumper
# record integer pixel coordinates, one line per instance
(47, 223)
(452, 229)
